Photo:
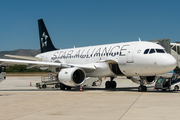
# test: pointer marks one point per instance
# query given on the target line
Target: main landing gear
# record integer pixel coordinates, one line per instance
(111, 83)
(142, 87)
(63, 87)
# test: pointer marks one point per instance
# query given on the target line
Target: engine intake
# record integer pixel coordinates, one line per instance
(72, 76)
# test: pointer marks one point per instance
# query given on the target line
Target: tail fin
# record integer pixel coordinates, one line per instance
(45, 40)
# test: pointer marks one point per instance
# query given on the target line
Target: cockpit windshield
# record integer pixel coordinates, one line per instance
(160, 51)
(146, 51)
(151, 51)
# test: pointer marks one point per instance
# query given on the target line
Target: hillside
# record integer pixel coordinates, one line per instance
(21, 52)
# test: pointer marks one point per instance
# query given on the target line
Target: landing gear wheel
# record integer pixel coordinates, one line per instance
(176, 88)
(113, 84)
(108, 84)
(62, 86)
(142, 88)
(68, 88)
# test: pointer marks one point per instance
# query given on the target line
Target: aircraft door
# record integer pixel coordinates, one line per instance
(130, 53)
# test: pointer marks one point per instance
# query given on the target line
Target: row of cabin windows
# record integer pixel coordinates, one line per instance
(150, 51)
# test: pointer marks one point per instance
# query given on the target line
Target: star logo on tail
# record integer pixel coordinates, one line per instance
(44, 39)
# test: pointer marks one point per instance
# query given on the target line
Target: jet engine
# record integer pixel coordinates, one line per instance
(72, 76)
(147, 80)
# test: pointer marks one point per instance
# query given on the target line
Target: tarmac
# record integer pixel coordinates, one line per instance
(21, 100)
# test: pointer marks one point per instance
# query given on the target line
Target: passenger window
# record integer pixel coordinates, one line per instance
(146, 51)
(160, 51)
(152, 51)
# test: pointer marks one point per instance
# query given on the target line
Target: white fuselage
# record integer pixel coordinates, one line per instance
(129, 56)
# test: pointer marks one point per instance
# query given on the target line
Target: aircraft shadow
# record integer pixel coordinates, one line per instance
(77, 89)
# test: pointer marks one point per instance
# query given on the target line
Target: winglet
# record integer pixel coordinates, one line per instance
(139, 39)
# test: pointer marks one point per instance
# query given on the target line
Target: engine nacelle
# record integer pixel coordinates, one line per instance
(148, 80)
(72, 76)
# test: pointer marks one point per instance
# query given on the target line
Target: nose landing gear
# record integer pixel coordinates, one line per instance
(142, 87)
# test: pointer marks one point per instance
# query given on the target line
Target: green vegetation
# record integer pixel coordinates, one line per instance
(22, 68)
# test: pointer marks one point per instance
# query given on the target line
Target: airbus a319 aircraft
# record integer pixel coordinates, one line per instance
(139, 61)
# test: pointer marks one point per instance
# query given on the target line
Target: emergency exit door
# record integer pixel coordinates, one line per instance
(130, 53)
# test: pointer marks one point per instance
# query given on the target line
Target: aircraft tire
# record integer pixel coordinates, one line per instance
(108, 84)
(62, 86)
(142, 88)
(113, 84)
(68, 88)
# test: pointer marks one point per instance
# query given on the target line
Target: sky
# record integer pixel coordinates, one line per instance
(87, 22)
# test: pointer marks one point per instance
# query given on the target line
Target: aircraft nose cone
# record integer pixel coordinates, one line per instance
(169, 62)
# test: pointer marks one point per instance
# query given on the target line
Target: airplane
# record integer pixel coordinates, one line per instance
(139, 61)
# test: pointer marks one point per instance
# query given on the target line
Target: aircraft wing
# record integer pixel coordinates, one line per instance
(86, 67)
(24, 57)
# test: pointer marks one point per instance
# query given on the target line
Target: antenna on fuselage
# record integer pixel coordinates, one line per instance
(74, 46)
(139, 39)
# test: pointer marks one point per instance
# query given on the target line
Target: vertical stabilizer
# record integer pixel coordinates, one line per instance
(45, 40)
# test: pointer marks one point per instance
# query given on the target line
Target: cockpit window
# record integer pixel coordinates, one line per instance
(160, 51)
(152, 51)
(146, 51)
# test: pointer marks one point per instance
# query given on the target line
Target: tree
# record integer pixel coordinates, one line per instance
(23, 68)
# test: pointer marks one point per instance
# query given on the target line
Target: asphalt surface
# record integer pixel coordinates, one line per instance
(21, 100)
